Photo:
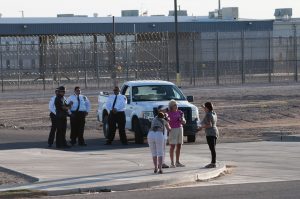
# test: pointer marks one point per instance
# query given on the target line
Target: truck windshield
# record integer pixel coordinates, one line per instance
(156, 93)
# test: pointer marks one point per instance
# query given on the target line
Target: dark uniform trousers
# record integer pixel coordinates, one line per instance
(114, 119)
(61, 122)
(77, 127)
(53, 129)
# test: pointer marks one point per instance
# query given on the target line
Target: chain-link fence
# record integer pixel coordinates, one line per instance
(102, 60)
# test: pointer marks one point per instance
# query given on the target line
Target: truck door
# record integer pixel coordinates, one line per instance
(126, 90)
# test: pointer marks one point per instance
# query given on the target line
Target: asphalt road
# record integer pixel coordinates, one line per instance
(274, 190)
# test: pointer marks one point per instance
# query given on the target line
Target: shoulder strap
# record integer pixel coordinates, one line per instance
(162, 124)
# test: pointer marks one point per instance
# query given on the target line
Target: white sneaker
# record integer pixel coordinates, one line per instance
(172, 165)
(178, 164)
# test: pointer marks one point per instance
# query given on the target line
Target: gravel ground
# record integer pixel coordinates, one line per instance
(7, 178)
(246, 113)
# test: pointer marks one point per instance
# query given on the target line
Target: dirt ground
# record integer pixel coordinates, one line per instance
(245, 113)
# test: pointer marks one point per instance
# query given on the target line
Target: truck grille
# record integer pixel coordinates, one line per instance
(187, 113)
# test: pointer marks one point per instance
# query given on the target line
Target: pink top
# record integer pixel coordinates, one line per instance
(175, 118)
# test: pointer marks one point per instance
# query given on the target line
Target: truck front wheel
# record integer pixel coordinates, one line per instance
(105, 126)
(138, 134)
(191, 138)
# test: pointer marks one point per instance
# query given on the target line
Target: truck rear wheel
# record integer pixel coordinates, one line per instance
(138, 134)
(105, 126)
(191, 138)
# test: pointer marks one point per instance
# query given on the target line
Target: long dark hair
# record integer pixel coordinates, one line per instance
(209, 106)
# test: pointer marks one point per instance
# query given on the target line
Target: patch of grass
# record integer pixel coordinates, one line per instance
(22, 193)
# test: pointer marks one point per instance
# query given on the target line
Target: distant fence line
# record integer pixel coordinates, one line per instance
(99, 61)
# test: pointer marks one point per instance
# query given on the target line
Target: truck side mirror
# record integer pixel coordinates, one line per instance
(190, 98)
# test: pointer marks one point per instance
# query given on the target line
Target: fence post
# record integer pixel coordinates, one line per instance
(243, 56)
(168, 58)
(295, 52)
(270, 57)
(84, 63)
(18, 65)
(126, 59)
(115, 82)
(2, 81)
(135, 51)
(42, 61)
(96, 59)
(217, 60)
(194, 75)
(58, 75)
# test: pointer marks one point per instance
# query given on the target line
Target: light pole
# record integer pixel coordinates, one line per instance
(114, 73)
(22, 13)
(219, 10)
(176, 43)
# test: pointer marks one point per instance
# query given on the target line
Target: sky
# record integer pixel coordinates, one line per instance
(252, 9)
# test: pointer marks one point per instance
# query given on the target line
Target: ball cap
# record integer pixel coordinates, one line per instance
(162, 107)
(62, 88)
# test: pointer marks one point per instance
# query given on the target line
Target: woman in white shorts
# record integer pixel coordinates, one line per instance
(176, 134)
(156, 140)
(164, 109)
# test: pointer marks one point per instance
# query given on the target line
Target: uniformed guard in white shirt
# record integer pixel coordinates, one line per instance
(116, 105)
(53, 119)
(79, 110)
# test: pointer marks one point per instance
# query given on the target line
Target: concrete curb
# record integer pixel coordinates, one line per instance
(186, 177)
(189, 178)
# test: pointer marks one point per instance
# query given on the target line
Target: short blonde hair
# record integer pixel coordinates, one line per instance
(172, 103)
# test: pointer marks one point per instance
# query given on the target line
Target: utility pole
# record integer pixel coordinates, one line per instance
(178, 81)
(114, 73)
(219, 10)
(22, 13)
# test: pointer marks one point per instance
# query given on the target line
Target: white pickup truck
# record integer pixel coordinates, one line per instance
(143, 98)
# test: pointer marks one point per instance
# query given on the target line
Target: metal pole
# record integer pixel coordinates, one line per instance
(269, 64)
(57, 61)
(96, 60)
(217, 62)
(243, 56)
(19, 77)
(136, 52)
(194, 75)
(168, 58)
(178, 80)
(42, 60)
(126, 62)
(84, 64)
(295, 52)
(219, 9)
(2, 81)
(114, 54)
